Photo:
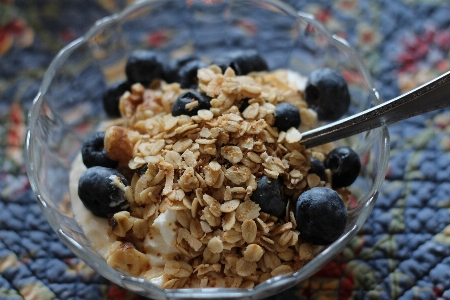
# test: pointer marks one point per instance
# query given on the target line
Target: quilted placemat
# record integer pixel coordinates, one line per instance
(402, 252)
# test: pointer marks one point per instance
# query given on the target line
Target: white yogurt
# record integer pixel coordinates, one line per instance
(159, 243)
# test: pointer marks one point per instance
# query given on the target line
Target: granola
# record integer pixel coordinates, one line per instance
(192, 177)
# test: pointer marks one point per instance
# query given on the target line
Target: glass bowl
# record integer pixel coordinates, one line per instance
(68, 108)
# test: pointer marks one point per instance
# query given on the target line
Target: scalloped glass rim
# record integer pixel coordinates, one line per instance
(142, 286)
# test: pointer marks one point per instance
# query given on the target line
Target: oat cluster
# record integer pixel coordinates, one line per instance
(205, 168)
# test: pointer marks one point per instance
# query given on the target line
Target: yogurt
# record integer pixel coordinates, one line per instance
(159, 243)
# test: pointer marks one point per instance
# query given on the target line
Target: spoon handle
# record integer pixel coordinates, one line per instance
(432, 95)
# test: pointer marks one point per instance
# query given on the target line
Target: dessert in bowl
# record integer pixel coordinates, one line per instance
(69, 110)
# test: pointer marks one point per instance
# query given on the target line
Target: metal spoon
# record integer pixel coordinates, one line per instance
(432, 95)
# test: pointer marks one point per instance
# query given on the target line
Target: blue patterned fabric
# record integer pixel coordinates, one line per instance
(402, 252)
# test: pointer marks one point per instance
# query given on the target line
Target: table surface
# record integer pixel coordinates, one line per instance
(402, 252)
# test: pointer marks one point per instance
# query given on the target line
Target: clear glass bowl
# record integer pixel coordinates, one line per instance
(68, 107)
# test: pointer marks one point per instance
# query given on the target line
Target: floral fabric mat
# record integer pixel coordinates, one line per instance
(402, 252)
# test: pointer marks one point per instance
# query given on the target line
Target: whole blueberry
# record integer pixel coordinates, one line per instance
(111, 98)
(143, 66)
(268, 196)
(187, 75)
(327, 93)
(93, 153)
(170, 70)
(99, 190)
(344, 165)
(321, 216)
(287, 115)
(179, 107)
(242, 62)
(317, 168)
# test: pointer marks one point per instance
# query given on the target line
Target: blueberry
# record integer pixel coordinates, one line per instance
(93, 153)
(141, 171)
(287, 115)
(268, 196)
(243, 104)
(111, 98)
(143, 66)
(345, 166)
(99, 192)
(170, 72)
(317, 168)
(327, 93)
(321, 216)
(187, 75)
(179, 107)
(223, 62)
(242, 62)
